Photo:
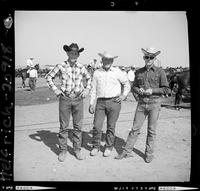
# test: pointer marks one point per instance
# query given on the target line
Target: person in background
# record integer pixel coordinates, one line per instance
(33, 75)
(123, 69)
(29, 63)
(94, 63)
(150, 84)
(71, 95)
(107, 91)
(131, 74)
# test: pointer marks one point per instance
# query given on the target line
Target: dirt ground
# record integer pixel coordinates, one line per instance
(36, 145)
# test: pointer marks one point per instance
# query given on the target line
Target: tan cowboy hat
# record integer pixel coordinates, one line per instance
(107, 55)
(150, 51)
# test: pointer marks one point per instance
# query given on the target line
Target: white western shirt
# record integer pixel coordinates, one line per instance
(33, 73)
(107, 84)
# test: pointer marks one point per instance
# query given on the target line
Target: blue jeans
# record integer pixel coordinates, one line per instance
(67, 107)
(143, 110)
(110, 109)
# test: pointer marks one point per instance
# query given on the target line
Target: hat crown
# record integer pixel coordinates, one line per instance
(105, 54)
(74, 46)
(151, 50)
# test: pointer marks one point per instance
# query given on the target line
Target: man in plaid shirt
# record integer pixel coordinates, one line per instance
(71, 94)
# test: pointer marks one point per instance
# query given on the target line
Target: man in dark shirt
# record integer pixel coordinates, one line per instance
(150, 84)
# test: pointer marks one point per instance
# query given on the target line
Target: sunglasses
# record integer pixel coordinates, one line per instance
(149, 57)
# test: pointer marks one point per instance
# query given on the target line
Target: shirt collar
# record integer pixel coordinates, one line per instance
(111, 69)
(154, 68)
(70, 65)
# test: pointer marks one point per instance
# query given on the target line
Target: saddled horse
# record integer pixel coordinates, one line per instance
(182, 81)
(24, 75)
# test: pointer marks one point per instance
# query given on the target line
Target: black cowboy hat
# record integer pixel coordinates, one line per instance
(73, 47)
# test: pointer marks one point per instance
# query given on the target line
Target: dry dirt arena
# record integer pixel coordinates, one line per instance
(36, 146)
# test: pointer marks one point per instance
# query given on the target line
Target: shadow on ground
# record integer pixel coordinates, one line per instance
(50, 139)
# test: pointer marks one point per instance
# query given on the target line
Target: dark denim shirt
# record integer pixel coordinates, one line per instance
(154, 78)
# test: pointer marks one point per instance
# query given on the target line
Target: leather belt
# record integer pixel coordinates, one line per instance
(72, 95)
(106, 98)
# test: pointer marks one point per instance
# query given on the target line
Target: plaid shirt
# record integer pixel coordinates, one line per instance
(72, 78)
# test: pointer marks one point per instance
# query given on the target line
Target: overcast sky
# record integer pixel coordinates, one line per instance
(42, 34)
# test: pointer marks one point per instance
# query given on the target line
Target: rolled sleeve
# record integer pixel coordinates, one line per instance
(164, 85)
(49, 77)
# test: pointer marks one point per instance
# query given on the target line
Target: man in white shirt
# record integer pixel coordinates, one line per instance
(106, 88)
(33, 75)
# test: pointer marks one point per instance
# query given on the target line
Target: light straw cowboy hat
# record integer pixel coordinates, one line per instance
(107, 55)
(150, 51)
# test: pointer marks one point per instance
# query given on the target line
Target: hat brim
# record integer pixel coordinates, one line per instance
(150, 53)
(108, 57)
(68, 49)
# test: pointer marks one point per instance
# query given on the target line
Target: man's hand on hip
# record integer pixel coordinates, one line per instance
(91, 108)
(84, 93)
(59, 92)
(120, 98)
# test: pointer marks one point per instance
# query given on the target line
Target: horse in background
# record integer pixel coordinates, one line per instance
(169, 71)
(24, 75)
(182, 82)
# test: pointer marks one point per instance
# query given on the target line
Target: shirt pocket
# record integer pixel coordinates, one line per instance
(66, 76)
(155, 81)
(79, 76)
(140, 80)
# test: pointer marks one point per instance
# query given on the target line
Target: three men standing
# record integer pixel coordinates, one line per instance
(109, 87)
